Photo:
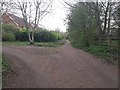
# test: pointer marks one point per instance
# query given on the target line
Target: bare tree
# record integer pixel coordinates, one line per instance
(33, 13)
(104, 13)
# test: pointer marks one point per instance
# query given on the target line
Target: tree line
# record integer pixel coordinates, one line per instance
(31, 12)
(88, 22)
(94, 27)
(12, 33)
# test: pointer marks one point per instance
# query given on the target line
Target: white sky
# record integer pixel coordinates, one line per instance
(56, 19)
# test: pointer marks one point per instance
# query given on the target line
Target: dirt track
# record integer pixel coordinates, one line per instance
(64, 67)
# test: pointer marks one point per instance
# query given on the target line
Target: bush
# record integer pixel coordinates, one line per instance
(9, 28)
(9, 31)
(45, 36)
(8, 37)
(21, 36)
(98, 50)
(58, 35)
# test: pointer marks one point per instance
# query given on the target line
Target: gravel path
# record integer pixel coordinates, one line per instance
(63, 67)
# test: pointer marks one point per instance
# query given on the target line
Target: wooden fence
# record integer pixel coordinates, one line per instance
(108, 40)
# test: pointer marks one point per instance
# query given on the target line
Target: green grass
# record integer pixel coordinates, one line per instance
(42, 44)
(3, 65)
(47, 44)
(106, 53)
(50, 44)
(17, 43)
(100, 51)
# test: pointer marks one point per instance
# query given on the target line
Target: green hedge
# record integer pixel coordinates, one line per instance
(45, 36)
(21, 36)
(8, 32)
(8, 37)
(12, 33)
(9, 28)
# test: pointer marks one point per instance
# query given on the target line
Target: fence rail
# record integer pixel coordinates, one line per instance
(111, 38)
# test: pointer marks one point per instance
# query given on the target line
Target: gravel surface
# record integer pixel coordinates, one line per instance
(63, 67)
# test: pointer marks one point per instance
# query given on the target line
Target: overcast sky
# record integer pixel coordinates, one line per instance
(56, 19)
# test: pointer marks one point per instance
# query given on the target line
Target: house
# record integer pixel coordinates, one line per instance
(14, 20)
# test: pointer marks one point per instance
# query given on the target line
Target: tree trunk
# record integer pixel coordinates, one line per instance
(30, 38)
(32, 43)
(109, 20)
(97, 15)
(105, 19)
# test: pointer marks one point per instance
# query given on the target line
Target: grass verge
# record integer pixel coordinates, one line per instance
(42, 44)
(17, 43)
(5, 66)
(106, 53)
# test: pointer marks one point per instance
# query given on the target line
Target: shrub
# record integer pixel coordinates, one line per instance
(45, 36)
(9, 28)
(21, 36)
(58, 35)
(8, 37)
